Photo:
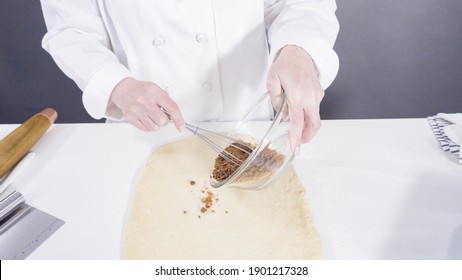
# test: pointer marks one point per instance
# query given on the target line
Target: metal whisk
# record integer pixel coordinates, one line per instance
(201, 133)
(207, 136)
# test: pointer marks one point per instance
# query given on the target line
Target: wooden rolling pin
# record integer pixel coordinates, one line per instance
(16, 144)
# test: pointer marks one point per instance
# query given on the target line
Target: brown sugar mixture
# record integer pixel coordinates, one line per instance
(266, 162)
(224, 168)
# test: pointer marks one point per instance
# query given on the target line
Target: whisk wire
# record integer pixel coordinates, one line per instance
(221, 151)
(200, 132)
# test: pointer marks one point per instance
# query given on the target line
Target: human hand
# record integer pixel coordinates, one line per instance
(145, 105)
(294, 71)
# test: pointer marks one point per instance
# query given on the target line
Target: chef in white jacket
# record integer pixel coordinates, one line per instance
(199, 60)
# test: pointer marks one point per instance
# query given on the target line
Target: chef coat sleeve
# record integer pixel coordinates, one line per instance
(79, 44)
(310, 24)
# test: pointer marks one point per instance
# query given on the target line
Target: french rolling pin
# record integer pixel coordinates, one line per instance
(16, 144)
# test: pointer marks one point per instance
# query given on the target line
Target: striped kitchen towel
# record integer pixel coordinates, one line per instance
(448, 131)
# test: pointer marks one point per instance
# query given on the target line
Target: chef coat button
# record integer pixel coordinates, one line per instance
(207, 86)
(158, 41)
(200, 38)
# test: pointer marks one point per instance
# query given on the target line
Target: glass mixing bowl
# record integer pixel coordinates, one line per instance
(271, 154)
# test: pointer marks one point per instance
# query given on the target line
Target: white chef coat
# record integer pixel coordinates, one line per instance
(210, 56)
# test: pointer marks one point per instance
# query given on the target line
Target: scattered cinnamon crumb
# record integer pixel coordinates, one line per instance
(184, 212)
(192, 182)
(226, 212)
(207, 201)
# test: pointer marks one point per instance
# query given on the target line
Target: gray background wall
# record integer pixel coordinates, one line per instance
(399, 58)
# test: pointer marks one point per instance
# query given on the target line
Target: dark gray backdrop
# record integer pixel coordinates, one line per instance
(399, 58)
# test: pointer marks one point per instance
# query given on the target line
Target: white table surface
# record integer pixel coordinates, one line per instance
(379, 189)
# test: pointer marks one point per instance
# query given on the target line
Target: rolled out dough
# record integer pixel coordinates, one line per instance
(166, 222)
